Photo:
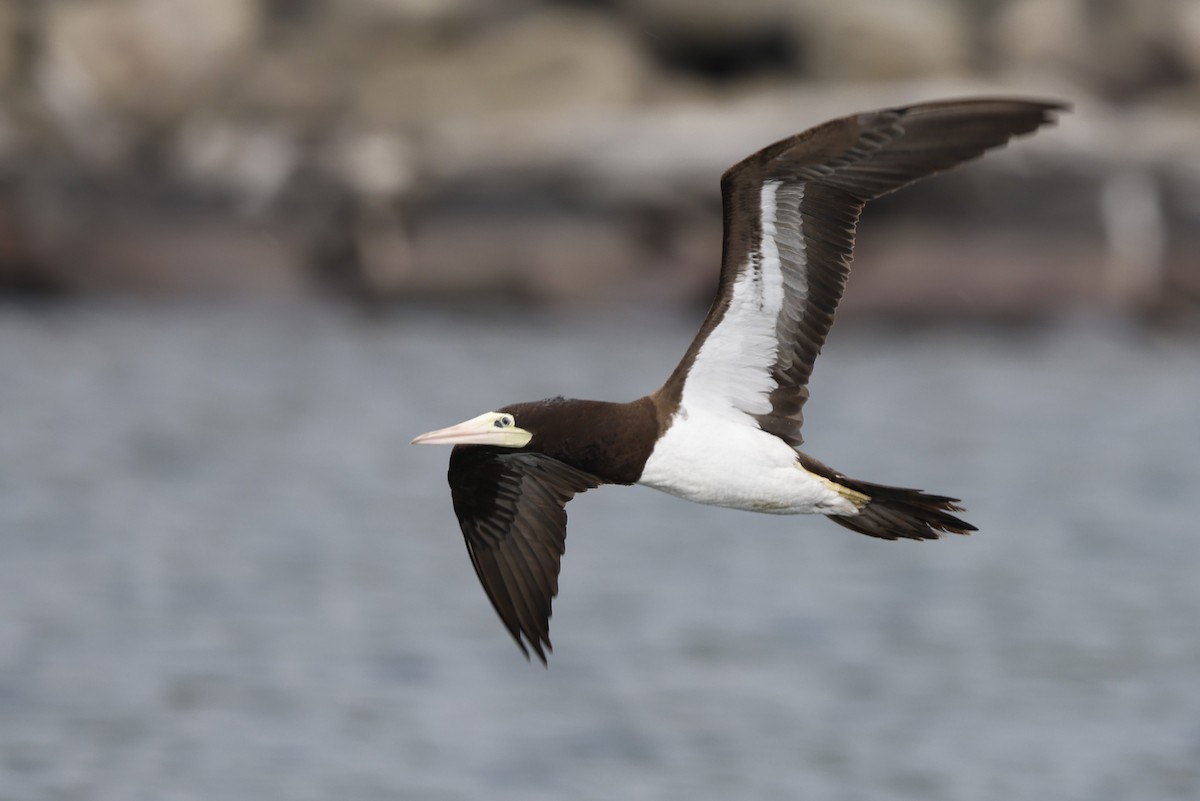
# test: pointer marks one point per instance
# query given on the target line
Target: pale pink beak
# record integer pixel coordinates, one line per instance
(486, 429)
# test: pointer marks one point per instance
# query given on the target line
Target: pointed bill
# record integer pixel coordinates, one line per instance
(492, 428)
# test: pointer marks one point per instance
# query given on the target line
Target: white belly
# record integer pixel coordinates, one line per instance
(714, 460)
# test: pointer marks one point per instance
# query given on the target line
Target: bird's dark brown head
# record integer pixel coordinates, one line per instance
(609, 440)
(548, 421)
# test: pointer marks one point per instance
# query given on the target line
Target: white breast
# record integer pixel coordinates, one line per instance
(708, 458)
(714, 452)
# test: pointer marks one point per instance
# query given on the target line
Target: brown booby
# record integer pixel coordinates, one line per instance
(725, 427)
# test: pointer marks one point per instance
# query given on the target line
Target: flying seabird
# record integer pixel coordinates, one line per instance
(725, 427)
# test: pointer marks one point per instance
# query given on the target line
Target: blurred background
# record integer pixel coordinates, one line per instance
(249, 248)
(569, 151)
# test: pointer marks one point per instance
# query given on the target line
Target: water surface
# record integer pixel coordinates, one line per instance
(224, 574)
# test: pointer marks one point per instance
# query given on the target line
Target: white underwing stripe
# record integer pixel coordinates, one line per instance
(715, 450)
(790, 243)
(731, 376)
(768, 252)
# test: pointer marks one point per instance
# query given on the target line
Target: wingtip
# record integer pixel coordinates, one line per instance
(539, 650)
(539, 645)
(1051, 109)
(521, 645)
(1048, 103)
(1048, 108)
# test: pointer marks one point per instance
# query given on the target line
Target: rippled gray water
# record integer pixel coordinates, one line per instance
(224, 574)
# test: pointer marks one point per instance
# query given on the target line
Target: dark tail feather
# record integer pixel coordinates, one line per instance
(895, 512)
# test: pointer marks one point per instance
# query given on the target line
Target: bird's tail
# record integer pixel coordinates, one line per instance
(893, 512)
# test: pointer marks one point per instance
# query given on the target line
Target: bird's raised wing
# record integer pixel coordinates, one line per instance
(790, 212)
(511, 509)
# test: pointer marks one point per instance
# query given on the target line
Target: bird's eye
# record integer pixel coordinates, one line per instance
(503, 422)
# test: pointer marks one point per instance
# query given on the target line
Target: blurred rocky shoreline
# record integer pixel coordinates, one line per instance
(569, 151)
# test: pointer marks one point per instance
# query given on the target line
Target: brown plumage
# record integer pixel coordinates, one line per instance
(510, 504)
(838, 167)
(790, 212)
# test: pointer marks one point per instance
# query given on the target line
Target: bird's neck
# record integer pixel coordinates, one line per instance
(609, 440)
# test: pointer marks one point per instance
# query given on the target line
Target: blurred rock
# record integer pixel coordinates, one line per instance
(375, 166)
(9, 32)
(1119, 47)
(1185, 33)
(21, 271)
(548, 149)
(151, 253)
(919, 270)
(554, 62)
(438, 13)
(864, 40)
(251, 162)
(709, 19)
(713, 39)
(10, 137)
(535, 257)
(1041, 34)
(108, 66)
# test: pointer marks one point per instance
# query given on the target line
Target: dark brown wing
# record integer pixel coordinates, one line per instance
(790, 214)
(510, 506)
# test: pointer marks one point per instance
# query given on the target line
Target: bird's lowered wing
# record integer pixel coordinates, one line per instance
(790, 212)
(511, 510)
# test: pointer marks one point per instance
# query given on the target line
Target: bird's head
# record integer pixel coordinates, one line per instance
(498, 429)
